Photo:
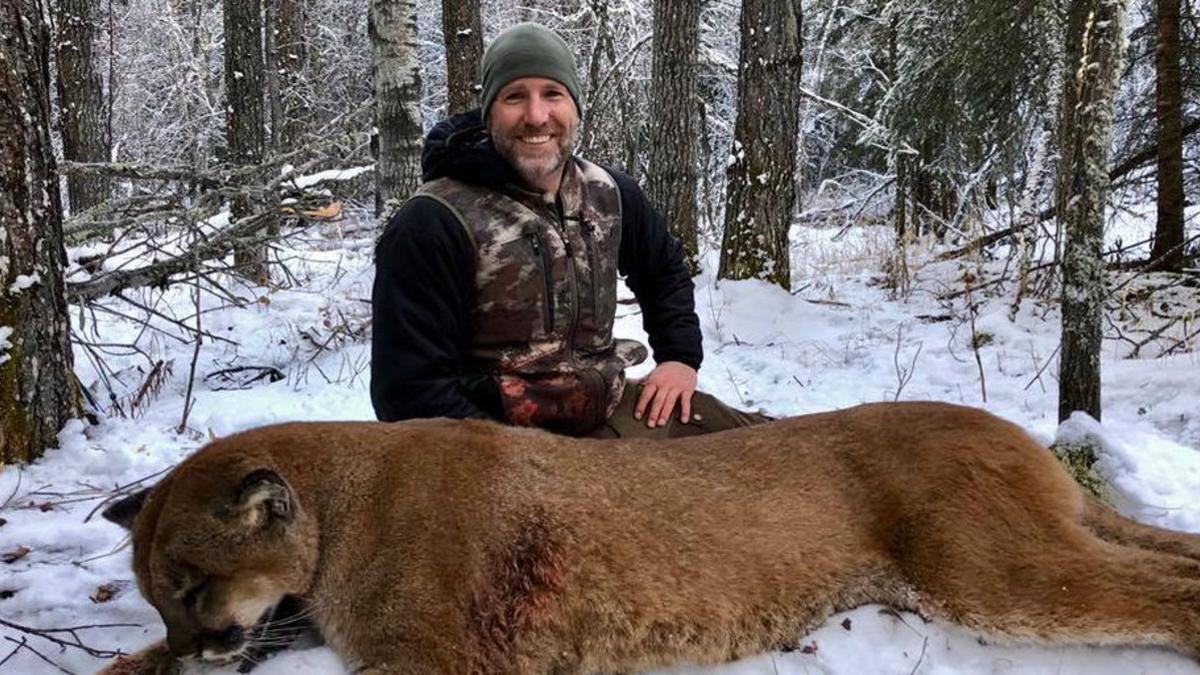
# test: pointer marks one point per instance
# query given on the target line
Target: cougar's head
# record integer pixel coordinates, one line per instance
(217, 545)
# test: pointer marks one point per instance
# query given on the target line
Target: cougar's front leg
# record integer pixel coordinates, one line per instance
(156, 659)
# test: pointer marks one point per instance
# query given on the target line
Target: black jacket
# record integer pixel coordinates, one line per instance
(424, 286)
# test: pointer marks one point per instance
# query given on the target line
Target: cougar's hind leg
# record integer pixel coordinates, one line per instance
(1112, 526)
(1075, 589)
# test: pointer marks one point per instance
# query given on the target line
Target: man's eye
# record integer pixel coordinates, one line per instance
(193, 593)
(514, 98)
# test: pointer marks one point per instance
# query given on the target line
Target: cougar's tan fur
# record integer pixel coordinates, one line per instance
(467, 547)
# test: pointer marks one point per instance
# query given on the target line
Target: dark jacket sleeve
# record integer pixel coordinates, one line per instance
(652, 262)
(424, 269)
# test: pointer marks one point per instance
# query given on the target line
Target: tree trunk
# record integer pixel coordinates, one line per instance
(761, 176)
(1168, 234)
(244, 84)
(37, 386)
(1095, 45)
(675, 125)
(392, 25)
(287, 53)
(85, 131)
(462, 33)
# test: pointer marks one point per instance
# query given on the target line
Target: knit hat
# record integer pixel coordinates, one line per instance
(527, 50)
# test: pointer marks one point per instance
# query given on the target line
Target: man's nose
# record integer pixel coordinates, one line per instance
(537, 111)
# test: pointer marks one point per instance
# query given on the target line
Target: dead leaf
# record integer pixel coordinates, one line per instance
(846, 623)
(809, 648)
(15, 554)
(106, 592)
(45, 506)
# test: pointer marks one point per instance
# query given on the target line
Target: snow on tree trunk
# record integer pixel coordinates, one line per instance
(286, 55)
(1095, 45)
(392, 25)
(244, 86)
(37, 390)
(81, 99)
(462, 33)
(761, 174)
(1168, 234)
(675, 125)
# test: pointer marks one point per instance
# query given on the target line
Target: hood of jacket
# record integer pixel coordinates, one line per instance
(461, 148)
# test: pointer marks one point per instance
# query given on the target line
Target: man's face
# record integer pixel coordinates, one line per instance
(534, 124)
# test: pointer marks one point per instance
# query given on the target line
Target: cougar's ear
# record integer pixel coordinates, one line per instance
(264, 497)
(124, 511)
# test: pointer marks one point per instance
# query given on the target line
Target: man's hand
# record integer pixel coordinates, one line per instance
(668, 383)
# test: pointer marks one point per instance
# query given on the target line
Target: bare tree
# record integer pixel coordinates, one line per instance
(244, 109)
(286, 53)
(761, 175)
(675, 125)
(1095, 43)
(1168, 233)
(37, 392)
(462, 32)
(85, 131)
(392, 25)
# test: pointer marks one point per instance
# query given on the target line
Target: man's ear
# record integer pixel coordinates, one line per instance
(264, 497)
(125, 511)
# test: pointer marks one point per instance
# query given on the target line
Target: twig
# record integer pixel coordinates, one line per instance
(187, 397)
(49, 634)
(903, 375)
(1038, 375)
(23, 643)
(924, 646)
(975, 337)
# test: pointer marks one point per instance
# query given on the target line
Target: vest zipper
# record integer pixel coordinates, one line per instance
(547, 279)
(572, 278)
(589, 238)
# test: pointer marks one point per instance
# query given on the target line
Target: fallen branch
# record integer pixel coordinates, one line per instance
(1134, 161)
(157, 273)
(183, 174)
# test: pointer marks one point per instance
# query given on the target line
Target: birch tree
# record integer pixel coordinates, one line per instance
(37, 392)
(462, 33)
(675, 125)
(1095, 44)
(85, 132)
(761, 176)
(244, 110)
(1168, 231)
(392, 25)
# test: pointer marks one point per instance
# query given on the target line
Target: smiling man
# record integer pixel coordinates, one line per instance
(495, 287)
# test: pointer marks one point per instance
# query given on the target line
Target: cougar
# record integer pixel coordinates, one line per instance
(442, 546)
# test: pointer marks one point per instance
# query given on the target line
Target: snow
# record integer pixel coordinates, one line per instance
(24, 281)
(844, 337)
(332, 174)
(5, 345)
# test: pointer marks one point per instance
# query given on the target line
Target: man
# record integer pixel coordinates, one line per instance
(495, 288)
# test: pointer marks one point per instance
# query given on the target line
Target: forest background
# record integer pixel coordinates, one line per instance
(165, 163)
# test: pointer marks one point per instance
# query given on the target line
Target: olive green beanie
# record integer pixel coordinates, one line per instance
(527, 50)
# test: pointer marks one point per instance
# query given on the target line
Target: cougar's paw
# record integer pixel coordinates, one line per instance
(153, 660)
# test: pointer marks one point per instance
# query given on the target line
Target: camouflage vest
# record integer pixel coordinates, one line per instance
(546, 296)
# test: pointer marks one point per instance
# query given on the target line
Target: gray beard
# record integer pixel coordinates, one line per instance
(531, 170)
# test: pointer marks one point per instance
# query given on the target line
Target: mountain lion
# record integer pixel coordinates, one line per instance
(441, 546)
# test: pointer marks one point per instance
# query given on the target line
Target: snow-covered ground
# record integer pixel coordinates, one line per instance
(843, 338)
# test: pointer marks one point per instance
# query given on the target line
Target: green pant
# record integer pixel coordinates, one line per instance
(708, 415)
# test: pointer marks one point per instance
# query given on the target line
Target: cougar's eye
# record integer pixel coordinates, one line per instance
(193, 593)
